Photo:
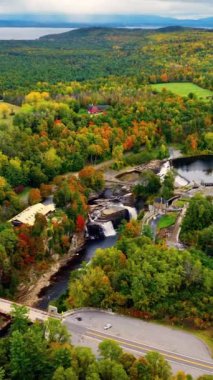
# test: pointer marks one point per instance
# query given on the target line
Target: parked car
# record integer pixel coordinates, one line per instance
(107, 326)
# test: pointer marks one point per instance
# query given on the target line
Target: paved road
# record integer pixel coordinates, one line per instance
(183, 351)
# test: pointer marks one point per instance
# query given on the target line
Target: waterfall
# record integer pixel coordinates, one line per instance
(108, 229)
(132, 212)
(99, 227)
(164, 170)
(133, 215)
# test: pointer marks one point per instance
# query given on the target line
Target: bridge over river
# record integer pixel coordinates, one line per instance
(33, 313)
(133, 335)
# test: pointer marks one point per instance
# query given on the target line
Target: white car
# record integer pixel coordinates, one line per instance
(107, 326)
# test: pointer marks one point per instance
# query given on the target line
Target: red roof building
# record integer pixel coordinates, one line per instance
(95, 110)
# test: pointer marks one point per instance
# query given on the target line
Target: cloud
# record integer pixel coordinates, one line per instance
(198, 8)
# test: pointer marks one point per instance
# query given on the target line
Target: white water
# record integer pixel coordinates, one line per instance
(164, 170)
(132, 212)
(108, 229)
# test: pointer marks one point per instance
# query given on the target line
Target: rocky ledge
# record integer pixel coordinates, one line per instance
(29, 293)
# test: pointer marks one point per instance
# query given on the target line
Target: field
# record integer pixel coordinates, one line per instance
(167, 220)
(184, 89)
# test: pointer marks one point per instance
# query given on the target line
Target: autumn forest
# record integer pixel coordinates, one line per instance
(68, 104)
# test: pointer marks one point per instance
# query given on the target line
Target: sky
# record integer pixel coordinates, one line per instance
(174, 8)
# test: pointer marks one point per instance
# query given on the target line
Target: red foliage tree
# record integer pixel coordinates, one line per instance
(80, 223)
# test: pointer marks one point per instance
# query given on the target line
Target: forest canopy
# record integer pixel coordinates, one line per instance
(151, 56)
(147, 280)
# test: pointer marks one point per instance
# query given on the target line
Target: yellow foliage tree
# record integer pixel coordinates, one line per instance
(35, 97)
(4, 110)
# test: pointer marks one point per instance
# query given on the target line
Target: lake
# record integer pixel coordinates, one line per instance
(29, 33)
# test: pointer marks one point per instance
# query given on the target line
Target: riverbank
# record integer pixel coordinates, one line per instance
(29, 294)
(38, 281)
(39, 285)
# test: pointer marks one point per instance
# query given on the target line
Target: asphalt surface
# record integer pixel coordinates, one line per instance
(182, 350)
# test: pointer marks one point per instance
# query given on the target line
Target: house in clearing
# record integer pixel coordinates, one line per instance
(97, 110)
(28, 215)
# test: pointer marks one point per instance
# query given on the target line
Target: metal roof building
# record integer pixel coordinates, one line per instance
(27, 216)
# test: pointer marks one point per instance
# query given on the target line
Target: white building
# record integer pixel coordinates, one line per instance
(28, 215)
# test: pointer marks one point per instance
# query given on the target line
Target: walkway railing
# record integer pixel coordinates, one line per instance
(34, 314)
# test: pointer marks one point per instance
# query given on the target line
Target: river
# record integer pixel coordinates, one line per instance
(60, 281)
(29, 33)
(195, 169)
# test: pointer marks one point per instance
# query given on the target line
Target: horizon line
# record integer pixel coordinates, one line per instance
(83, 16)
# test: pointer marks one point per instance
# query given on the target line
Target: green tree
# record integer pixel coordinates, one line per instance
(163, 151)
(8, 238)
(147, 231)
(159, 367)
(28, 355)
(140, 370)
(209, 140)
(2, 373)
(167, 190)
(63, 195)
(61, 355)
(118, 156)
(109, 349)
(93, 372)
(181, 376)
(52, 163)
(4, 352)
(85, 358)
(55, 331)
(40, 225)
(149, 184)
(127, 360)
(199, 215)
(205, 240)
(110, 370)
(64, 374)
(20, 319)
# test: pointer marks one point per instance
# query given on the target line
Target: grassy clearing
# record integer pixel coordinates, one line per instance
(184, 89)
(181, 202)
(23, 196)
(167, 220)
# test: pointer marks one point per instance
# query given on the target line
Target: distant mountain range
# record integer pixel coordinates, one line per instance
(146, 21)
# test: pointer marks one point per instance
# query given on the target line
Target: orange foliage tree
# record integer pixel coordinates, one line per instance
(34, 196)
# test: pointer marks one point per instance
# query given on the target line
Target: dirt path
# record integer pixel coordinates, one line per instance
(173, 239)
